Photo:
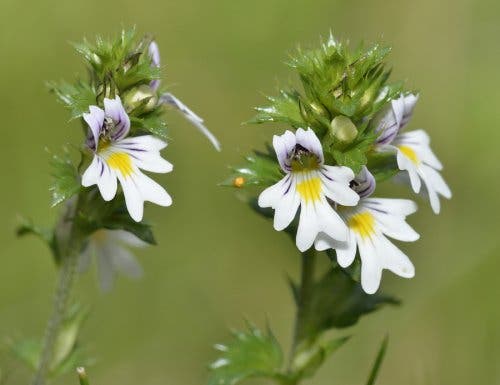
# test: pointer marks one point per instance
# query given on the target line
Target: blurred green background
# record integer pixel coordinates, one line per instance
(218, 262)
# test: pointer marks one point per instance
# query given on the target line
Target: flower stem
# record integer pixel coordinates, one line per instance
(69, 242)
(303, 301)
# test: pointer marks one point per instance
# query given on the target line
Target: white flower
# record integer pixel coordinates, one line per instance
(413, 151)
(370, 223)
(415, 156)
(169, 99)
(308, 183)
(116, 156)
(109, 247)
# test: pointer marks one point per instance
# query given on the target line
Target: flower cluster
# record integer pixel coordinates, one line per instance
(121, 108)
(349, 132)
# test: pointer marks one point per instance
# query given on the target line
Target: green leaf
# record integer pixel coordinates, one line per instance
(67, 354)
(378, 362)
(27, 351)
(309, 359)
(337, 301)
(66, 340)
(250, 354)
(77, 97)
(383, 166)
(151, 123)
(66, 179)
(119, 64)
(259, 169)
(284, 108)
(113, 215)
(27, 227)
(354, 154)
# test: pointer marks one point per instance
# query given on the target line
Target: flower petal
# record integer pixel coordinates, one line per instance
(151, 191)
(286, 208)
(309, 140)
(394, 259)
(114, 109)
(284, 145)
(340, 193)
(364, 183)
(125, 262)
(95, 121)
(91, 174)
(271, 196)
(107, 183)
(371, 270)
(154, 53)
(171, 100)
(126, 238)
(133, 197)
(105, 269)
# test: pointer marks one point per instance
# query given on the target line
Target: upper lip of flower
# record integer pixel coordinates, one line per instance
(111, 124)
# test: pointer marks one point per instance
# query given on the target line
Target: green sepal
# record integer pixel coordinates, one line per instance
(65, 177)
(260, 169)
(337, 301)
(251, 354)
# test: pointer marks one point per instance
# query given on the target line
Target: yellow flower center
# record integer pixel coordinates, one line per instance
(310, 189)
(362, 223)
(409, 153)
(121, 162)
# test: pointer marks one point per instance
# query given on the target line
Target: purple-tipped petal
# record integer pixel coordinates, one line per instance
(95, 121)
(114, 109)
(171, 100)
(284, 146)
(409, 102)
(390, 123)
(364, 183)
(154, 53)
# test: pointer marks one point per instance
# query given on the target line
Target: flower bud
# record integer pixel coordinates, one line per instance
(142, 97)
(343, 129)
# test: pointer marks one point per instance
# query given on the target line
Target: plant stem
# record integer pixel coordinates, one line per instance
(69, 246)
(303, 300)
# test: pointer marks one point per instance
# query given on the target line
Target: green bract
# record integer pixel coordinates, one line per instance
(342, 93)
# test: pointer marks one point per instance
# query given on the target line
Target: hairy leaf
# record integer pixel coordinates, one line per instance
(337, 301)
(67, 353)
(98, 214)
(76, 97)
(259, 169)
(66, 179)
(250, 354)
